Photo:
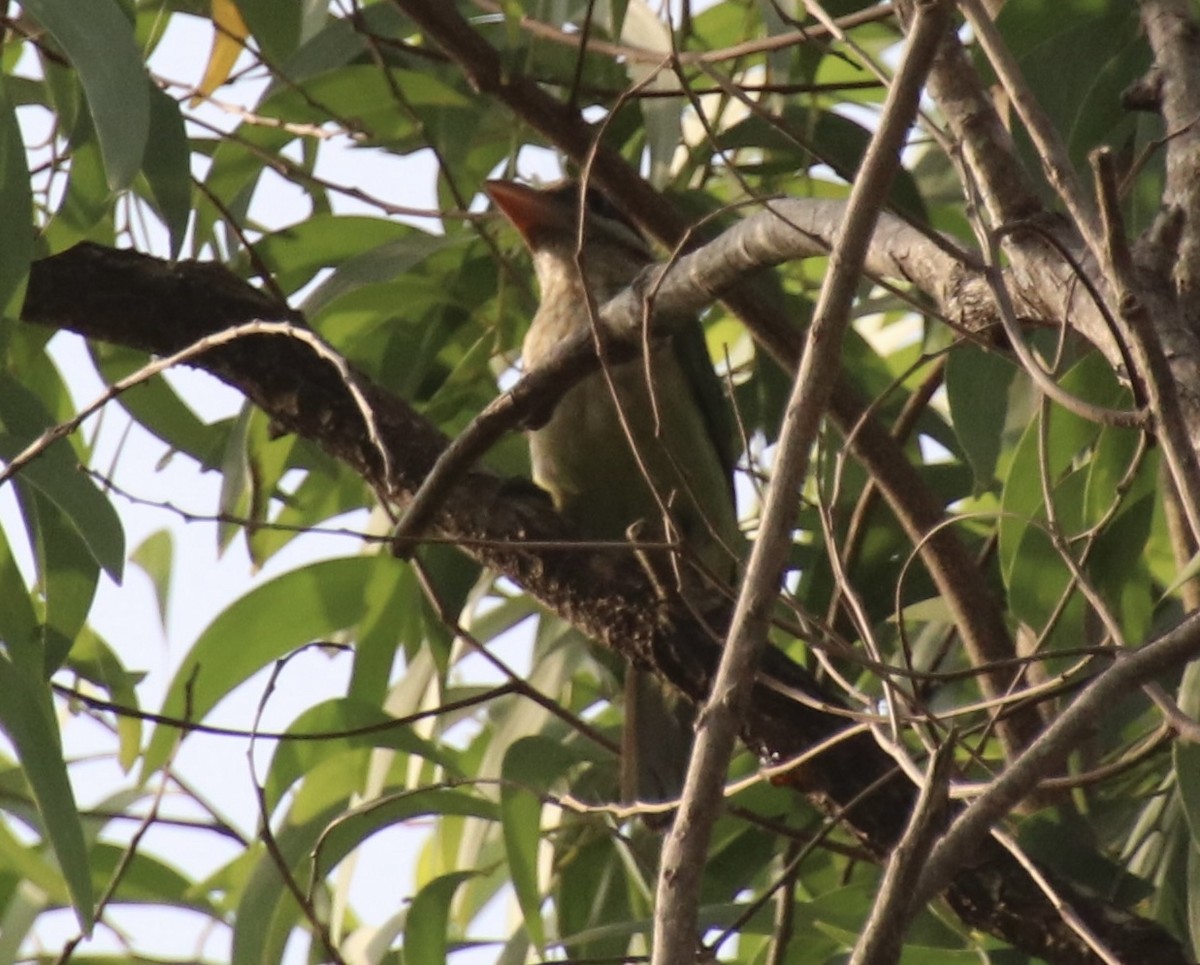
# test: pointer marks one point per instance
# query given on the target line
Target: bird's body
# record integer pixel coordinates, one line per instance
(634, 442)
(627, 442)
(623, 444)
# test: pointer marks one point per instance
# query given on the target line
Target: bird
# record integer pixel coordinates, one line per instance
(631, 446)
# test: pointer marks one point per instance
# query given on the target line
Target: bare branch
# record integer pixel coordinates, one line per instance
(971, 828)
(680, 875)
(1055, 160)
(1154, 372)
(159, 307)
(1171, 29)
(883, 934)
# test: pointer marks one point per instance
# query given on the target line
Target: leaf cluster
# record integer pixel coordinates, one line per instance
(966, 553)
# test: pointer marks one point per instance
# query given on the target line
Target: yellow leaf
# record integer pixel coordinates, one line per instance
(228, 39)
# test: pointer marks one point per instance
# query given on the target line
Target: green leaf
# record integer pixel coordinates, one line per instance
(1118, 565)
(16, 201)
(977, 384)
(19, 916)
(154, 556)
(34, 864)
(797, 138)
(27, 717)
(295, 758)
(296, 253)
(377, 265)
(426, 925)
(327, 490)
(1066, 846)
(1039, 576)
(1188, 572)
(1186, 760)
(1068, 436)
(311, 603)
(167, 166)
(394, 618)
(353, 827)
(1077, 58)
(146, 879)
(56, 475)
(157, 407)
(19, 622)
(68, 576)
(98, 40)
(593, 888)
(530, 764)
(265, 910)
(237, 481)
(269, 457)
(87, 209)
(95, 661)
(275, 25)
(341, 40)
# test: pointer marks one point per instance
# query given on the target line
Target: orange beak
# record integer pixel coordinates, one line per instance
(531, 211)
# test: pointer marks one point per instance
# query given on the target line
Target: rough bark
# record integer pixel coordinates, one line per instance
(141, 302)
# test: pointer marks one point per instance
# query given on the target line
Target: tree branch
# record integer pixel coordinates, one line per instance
(681, 873)
(971, 828)
(883, 935)
(1171, 30)
(160, 307)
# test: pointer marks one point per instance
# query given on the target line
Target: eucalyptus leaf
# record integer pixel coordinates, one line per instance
(98, 40)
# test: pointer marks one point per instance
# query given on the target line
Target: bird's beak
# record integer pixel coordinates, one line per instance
(532, 212)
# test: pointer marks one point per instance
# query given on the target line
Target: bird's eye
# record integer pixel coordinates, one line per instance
(598, 204)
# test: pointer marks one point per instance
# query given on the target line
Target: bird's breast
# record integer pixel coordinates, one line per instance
(623, 444)
(620, 449)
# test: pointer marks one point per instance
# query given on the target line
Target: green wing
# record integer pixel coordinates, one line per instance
(692, 354)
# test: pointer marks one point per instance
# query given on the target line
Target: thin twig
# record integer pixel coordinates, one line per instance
(126, 860)
(199, 347)
(1056, 162)
(883, 934)
(633, 54)
(683, 855)
(1046, 754)
(303, 898)
(1154, 371)
(1068, 914)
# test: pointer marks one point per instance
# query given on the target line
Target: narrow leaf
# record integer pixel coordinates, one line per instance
(229, 33)
(275, 25)
(98, 40)
(425, 930)
(55, 473)
(16, 242)
(27, 718)
(977, 389)
(68, 576)
(530, 764)
(307, 604)
(154, 556)
(167, 166)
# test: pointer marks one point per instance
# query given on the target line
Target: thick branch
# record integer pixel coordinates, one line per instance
(976, 613)
(681, 875)
(1166, 654)
(986, 147)
(1174, 36)
(144, 303)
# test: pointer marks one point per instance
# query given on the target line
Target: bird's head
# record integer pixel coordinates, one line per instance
(614, 251)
